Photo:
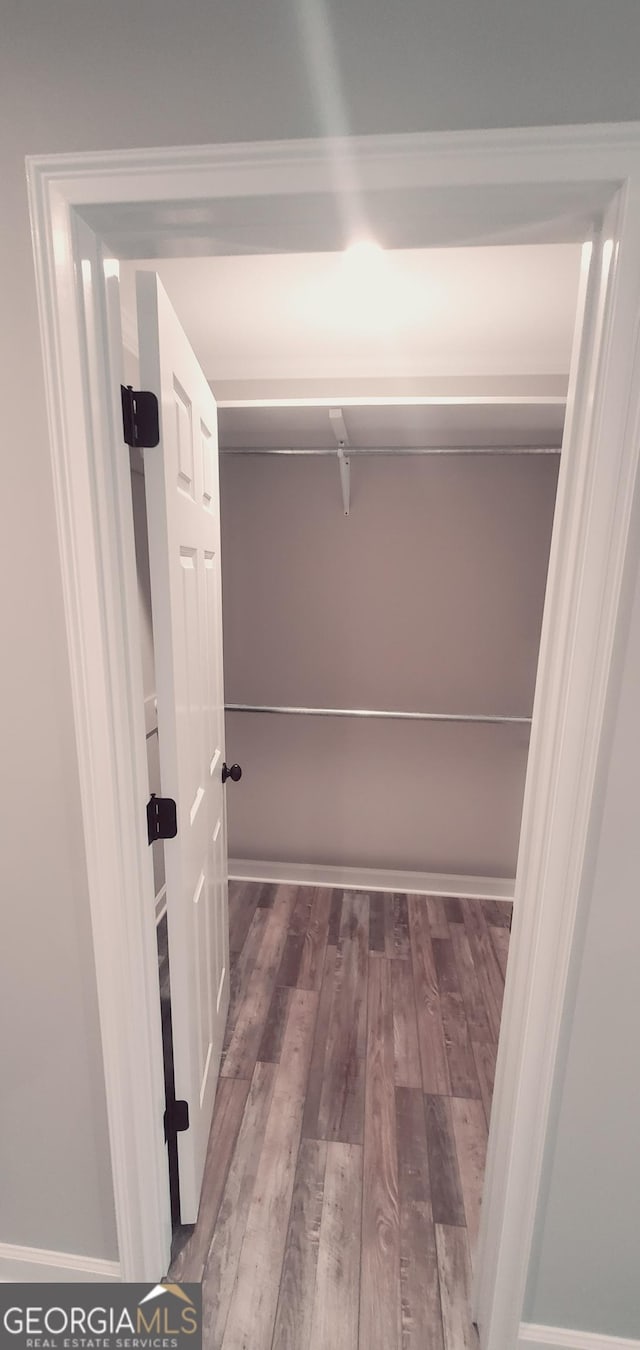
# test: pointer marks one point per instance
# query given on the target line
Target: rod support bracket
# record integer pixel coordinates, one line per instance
(344, 465)
(339, 429)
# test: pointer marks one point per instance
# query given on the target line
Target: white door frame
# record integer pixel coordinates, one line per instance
(568, 169)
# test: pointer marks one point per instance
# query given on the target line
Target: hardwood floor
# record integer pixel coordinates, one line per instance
(342, 1191)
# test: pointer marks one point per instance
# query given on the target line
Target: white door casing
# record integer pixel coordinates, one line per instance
(533, 177)
(183, 517)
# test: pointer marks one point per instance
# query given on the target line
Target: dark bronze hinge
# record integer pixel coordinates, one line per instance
(176, 1118)
(140, 418)
(162, 818)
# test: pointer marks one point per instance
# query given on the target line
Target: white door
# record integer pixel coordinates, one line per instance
(183, 516)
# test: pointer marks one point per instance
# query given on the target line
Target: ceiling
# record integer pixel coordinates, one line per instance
(412, 314)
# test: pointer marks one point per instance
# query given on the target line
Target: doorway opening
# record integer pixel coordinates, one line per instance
(384, 564)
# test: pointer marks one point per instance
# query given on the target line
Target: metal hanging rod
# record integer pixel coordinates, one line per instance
(397, 450)
(384, 714)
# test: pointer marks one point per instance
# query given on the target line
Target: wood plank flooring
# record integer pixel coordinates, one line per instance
(342, 1190)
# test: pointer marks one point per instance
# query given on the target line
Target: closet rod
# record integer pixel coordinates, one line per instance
(398, 450)
(368, 712)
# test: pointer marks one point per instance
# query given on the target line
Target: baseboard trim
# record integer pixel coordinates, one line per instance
(557, 1338)
(371, 879)
(22, 1265)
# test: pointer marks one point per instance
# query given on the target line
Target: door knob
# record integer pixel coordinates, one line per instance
(235, 773)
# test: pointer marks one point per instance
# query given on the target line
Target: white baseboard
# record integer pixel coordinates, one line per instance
(21, 1265)
(372, 879)
(556, 1338)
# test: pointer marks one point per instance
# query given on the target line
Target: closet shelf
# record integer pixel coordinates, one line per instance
(399, 716)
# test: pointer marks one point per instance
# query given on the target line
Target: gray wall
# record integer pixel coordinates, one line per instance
(84, 75)
(427, 597)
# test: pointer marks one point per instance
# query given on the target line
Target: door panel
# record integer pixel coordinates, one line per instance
(183, 519)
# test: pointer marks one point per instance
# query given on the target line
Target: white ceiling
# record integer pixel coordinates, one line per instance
(496, 313)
